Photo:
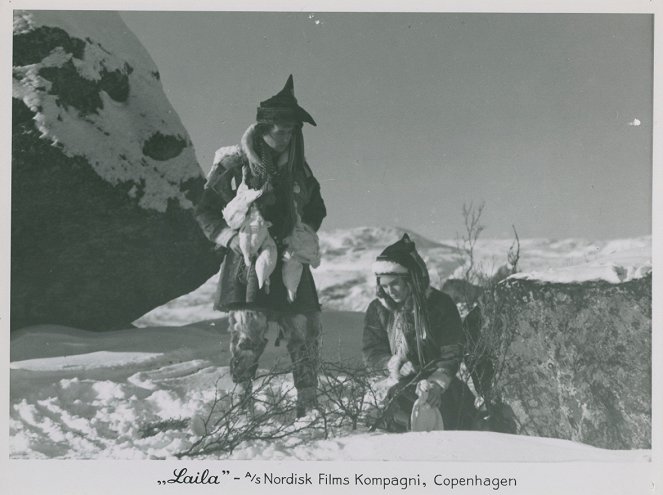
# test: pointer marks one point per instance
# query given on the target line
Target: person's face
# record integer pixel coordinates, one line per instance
(279, 136)
(396, 287)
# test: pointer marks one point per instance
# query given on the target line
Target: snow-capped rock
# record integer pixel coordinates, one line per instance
(104, 177)
(95, 93)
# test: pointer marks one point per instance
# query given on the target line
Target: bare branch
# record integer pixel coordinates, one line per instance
(347, 396)
(513, 256)
(487, 338)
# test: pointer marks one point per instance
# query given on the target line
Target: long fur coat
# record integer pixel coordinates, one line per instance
(238, 283)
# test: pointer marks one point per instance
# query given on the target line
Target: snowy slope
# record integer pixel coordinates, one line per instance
(614, 261)
(113, 137)
(82, 395)
(575, 260)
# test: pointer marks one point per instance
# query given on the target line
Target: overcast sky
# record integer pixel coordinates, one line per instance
(545, 117)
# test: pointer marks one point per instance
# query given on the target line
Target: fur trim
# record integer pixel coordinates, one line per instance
(247, 144)
(388, 267)
(224, 152)
(224, 159)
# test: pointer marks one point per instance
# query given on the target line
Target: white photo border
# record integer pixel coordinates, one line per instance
(73, 477)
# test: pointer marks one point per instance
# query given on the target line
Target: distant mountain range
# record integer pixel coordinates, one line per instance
(345, 282)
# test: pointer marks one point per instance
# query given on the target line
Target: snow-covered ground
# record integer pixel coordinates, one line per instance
(91, 395)
(129, 394)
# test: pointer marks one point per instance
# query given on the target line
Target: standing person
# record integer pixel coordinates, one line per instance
(271, 159)
(414, 332)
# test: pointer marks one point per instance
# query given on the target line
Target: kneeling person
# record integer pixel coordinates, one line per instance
(415, 333)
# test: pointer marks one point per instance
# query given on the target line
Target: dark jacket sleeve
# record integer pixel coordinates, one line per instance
(375, 342)
(448, 333)
(217, 194)
(314, 211)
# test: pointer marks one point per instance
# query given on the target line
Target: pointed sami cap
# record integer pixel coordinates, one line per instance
(283, 106)
(400, 258)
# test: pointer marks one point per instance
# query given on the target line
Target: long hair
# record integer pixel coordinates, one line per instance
(418, 279)
(262, 167)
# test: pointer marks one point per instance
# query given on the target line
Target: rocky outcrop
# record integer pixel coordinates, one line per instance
(571, 360)
(104, 178)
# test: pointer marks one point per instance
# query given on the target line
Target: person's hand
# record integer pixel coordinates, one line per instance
(435, 395)
(407, 369)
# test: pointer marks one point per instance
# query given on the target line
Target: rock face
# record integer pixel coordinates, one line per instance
(573, 360)
(104, 177)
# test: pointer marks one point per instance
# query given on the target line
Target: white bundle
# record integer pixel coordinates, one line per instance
(292, 273)
(252, 234)
(302, 248)
(425, 417)
(266, 262)
(243, 215)
(237, 209)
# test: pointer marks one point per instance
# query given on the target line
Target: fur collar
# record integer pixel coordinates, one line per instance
(247, 145)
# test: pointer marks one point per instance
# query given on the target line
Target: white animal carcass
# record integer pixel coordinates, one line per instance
(255, 242)
(302, 247)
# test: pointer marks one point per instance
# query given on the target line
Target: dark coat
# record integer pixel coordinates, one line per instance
(443, 351)
(237, 287)
(444, 344)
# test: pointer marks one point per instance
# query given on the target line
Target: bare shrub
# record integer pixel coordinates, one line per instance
(348, 396)
(486, 336)
(232, 418)
(152, 429)
(348, 401)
